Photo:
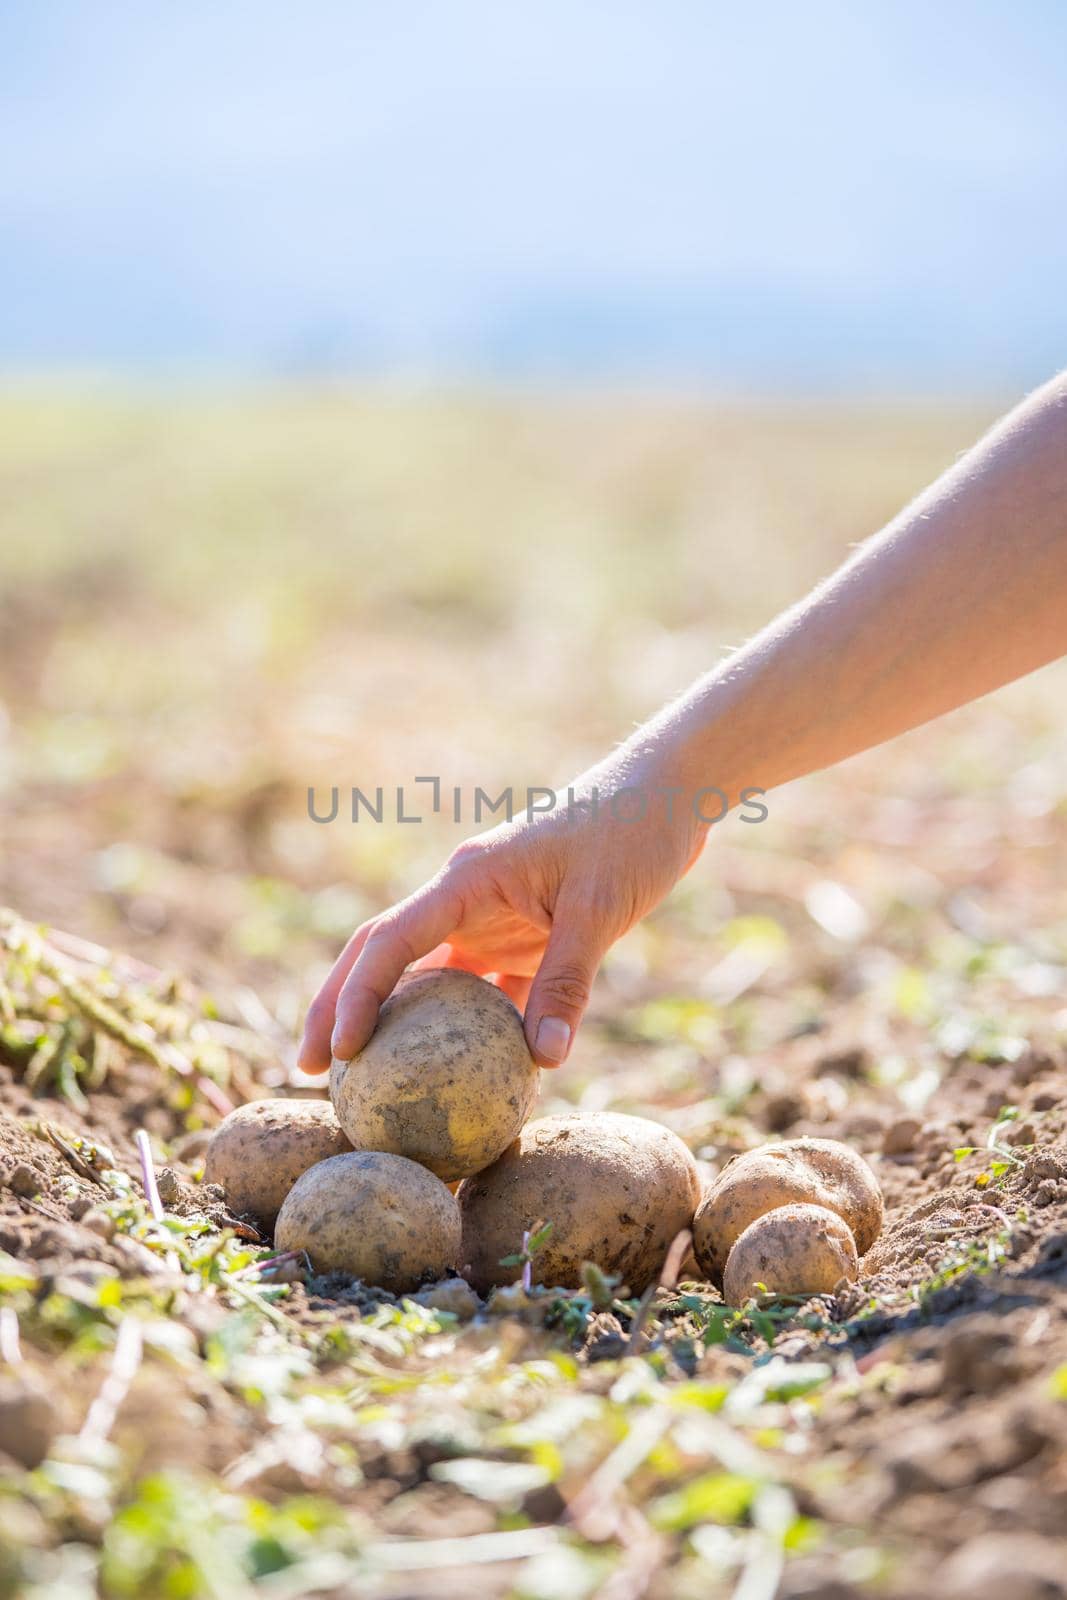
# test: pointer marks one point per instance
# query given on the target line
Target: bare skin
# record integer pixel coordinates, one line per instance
(963, 592)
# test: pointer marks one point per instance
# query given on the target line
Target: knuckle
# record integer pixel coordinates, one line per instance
(464, 855)
(354, 999)
(389, 936)
(603, 906)
(568, 983)
(344, 1000)
(320, 1014)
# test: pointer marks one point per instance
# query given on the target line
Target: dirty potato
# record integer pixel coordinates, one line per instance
(382, 1218)
(257, 1153)
(794, 1249)
(820, 1172)
(616, 1189)
(446, 1078)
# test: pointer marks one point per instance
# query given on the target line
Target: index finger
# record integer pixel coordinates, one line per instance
(412, 929)
(314, 1053)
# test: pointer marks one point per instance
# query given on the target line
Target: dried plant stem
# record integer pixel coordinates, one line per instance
(667, 1279)
(272, 1314)
(124, 1364)
(97, 958)
(80, 1165)
(148, 1175)
(637, 1326)
(10, 1348)
(271, 1262)
(8, 1013)
(465, 1550)
(103, 1016)
(677, 1253)
(642, 1558)
(593, 1511)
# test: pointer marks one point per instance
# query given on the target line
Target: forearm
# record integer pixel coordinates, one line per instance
(965, 591)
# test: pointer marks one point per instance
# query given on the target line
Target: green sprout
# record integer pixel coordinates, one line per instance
(532, 1241)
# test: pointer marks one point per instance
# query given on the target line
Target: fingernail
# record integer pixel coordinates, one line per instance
(553, 1038)
(336, 1053)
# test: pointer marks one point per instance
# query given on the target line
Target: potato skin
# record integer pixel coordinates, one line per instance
(617, 1190)
(795, 1249)
(446, 1078)
(380, 1217)
(257, 1153)
(819, 1172)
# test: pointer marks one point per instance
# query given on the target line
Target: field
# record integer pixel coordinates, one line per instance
(209, 605)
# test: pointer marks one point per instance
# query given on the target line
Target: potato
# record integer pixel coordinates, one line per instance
(445, 1079)
(616, 1189)
(257, 1153)
(381, 1218)
(819, 1172)
(795, 1249)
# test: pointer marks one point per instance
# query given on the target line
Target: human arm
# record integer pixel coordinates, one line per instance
(964, 591)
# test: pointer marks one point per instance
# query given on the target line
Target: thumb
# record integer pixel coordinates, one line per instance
(560, 992)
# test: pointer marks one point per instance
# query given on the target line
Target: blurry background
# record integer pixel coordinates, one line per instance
(436, 389)
(774, 199)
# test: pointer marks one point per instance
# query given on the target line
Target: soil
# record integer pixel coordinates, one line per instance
(947, 1452)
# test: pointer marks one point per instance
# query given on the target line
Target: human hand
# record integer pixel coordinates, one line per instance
(532, 905)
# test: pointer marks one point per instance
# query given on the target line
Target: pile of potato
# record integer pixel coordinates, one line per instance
(423, 1163)
(790, 1218)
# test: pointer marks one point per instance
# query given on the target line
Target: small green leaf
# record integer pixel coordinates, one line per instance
(723, 1497)
(1058, 1383)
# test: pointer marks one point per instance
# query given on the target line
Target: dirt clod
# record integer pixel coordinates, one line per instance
(1024, 1566)
(901, 1136)
(24, 1180)
(979, 1355)
(28, 1421)
(170, 1189)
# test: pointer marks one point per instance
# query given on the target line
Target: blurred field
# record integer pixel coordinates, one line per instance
(209, 604)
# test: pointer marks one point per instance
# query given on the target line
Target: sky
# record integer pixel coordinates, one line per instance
(859, 196)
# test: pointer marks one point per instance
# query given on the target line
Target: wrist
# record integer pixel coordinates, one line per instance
(656, 778)
(700, 744)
